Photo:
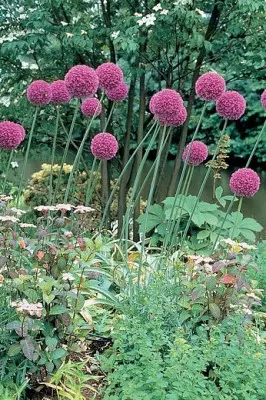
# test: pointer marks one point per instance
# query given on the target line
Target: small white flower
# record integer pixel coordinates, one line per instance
(138, 15)
(8, 218)
(27, 225)
(82, 209)
(83, 32)
(64, 23)
(69, 35)
(158, 7)
(22, 16)
(115, 35)
(14, 164)
(67, 277)
(164, 12)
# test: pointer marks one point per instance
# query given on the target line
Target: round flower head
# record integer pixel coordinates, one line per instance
(110, 75)
(39, 93)
(104, 146)
(81, 81)
(91, 107)
(176, 119)
(263, 99)
(195, 153)
(118, 93)
(165, 103)
(60, 94)
(244, 182)
(210, 86)
(231, 105)
(11, 135)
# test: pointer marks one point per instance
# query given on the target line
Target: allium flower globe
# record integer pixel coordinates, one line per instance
(210, 86)
(39, 93)
(231, 105)
(175, 119)
(60, 94)
(110, 75)
(195, 153)
(81, 81)
(118, 93)
(165, 103)
(11, 135)
(91, 107)
(263, 99)
(245, 182)
(104, 146)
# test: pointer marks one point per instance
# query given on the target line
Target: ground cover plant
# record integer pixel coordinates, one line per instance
(155, 300)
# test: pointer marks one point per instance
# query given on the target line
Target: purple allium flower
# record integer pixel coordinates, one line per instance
(104, 146)
(176, 119)
(91, 107)
(263, 99)
(244, 182)
(198, 152)
(11, 135)
(60, 94)
(165, 103)
(231, 105)
(210, 86)
(119, 93)
(81, 81)
(110, 75)
(39, 93)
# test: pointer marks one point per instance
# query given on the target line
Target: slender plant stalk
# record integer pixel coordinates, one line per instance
(109, 116)
(79, 153)
(170, 224)
(91, 182)
(185, 193)
(151, 192)
(27, 155)
(202, 187)
(63, 160)
(238, 211)
(53, 156)
(234, 197)
(7, 169)
(122, 174)
(125, 227)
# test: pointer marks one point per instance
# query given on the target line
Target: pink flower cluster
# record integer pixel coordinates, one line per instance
(231, 105)
(91, 107)
(210, 86)
(104, 146)
(263, 99)
(81, 81)
(39, 93)
(60, 94)
(244, 182)
(168, 107)
(195, 153)
(11, 135)
(119, 93)
(110, 75)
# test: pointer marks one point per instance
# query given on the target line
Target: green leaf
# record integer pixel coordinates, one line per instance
(58, 353)
(51, 342)
(218, 192)
(203, 235)
(211, 219)
(58, 309)
(14, 349)
(28, 347)
(215, 310)
(13, 325)
(251, 224)
(248, 234)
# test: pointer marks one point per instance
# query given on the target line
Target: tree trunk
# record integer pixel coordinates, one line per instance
(212, 27)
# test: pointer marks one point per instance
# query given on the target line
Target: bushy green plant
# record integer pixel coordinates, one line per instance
(157, 354)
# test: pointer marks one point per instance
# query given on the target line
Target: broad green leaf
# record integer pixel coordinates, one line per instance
(215, 310)
(251, 224)
(203, 235)
(14, 349)
(58, 353)
(28, 346)
(58, 309)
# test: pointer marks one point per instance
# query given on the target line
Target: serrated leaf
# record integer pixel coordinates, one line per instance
(215, 310)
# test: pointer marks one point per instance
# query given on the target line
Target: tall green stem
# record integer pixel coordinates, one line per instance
(151, 192)
(110, 115)
(63, 160)
(27, 155)
(130, 207)
(89, 187)
(122, 174)
(77, 158)
(7, 169)
(53, 156)
(202, 186)
(170, 224)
